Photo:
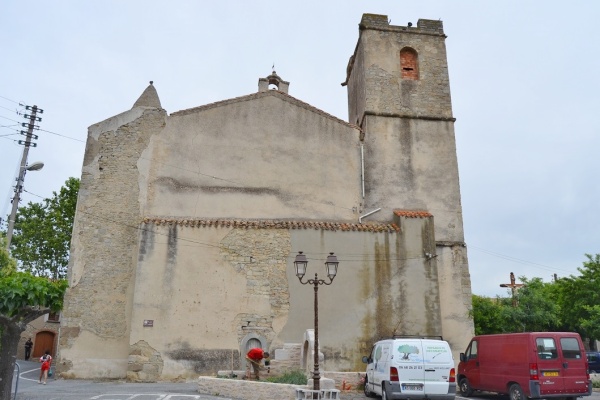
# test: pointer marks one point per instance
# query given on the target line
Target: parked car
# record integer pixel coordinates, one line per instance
(526, 365)
(593, 358)
(415, 368)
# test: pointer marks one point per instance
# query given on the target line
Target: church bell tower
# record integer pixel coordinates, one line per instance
(399, 95)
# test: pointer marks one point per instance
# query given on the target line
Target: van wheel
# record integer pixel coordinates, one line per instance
(515, 392)
(368, 392)
(384, 395)
(465, 387)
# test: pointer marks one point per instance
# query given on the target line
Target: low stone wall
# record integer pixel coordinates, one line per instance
(246, 390)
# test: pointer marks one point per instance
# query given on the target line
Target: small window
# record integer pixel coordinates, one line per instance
(54, 317)
(409, 64)
(546, 348)
(570, 348)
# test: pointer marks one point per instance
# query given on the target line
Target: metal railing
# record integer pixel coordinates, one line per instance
(17, 381)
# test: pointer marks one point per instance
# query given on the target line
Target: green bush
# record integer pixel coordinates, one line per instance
(596, 384)
(291, 377)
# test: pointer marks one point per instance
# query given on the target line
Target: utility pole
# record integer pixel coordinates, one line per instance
(29, 136)
(513, 287)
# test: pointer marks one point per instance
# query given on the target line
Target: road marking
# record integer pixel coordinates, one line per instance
(26, 372)
(156, 396)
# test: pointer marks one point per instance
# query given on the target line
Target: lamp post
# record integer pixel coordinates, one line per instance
(301, 263)
(36, 166)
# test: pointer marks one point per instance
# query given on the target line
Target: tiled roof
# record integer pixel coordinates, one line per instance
(274, 224)
(413, 213)
(257, 95)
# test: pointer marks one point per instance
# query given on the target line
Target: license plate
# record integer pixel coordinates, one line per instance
(409, 386)
(549, 373)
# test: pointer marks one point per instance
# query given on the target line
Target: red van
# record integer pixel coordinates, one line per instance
(526, 365)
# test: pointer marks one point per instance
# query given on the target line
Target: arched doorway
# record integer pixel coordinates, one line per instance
(44, 340)
(250, 341)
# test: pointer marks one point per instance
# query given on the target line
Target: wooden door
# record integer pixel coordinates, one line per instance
(44, 340)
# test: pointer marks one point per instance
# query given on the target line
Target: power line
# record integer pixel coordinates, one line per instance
(65, 136)
(10, 119)
(196, 243)
(10, 109)
(518, 260)
(345, 257)
(6, 98)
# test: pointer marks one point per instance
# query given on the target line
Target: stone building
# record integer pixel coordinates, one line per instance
(188, 223)
(43, 332)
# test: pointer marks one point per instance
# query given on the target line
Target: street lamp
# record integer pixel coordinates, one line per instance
(301, 263)
(36, 166)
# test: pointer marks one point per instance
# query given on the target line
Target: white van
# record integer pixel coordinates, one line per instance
(410, 368)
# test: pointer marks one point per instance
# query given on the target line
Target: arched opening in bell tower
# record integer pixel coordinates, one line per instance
(409, 63)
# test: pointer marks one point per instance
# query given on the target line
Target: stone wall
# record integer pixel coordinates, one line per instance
(96, 314)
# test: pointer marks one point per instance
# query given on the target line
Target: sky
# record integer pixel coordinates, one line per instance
(524, 78)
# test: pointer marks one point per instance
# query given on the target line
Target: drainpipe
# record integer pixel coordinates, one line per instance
(367, 214)
(362, 169)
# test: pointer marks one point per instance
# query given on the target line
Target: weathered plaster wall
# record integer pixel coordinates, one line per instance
(455, 296)
(384, 287)
(205, 288)
(271, 156)
(413, 163)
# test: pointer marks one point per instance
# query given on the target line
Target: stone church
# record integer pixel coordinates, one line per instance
(188, 223)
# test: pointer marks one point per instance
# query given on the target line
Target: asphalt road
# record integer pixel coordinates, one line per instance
(75, 389)
(72, 389)
(28, 388)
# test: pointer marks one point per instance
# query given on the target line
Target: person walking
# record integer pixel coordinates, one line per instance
(255, 356)
(28, 346)
(46, 361)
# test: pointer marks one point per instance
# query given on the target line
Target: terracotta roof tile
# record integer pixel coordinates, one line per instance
(274, 224)
(413, 213)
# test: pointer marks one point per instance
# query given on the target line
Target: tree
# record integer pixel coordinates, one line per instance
(8, 264)
(23, 298)
(487, 315)
(42, 233)
(537, 308)
(579, 299)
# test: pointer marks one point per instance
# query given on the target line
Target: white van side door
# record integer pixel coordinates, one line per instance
(371, 369)
(381, 368)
